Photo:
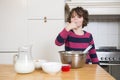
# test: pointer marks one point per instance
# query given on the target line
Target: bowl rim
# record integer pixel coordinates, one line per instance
(71, 52)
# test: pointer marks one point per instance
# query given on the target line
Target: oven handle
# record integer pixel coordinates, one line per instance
(108, 64)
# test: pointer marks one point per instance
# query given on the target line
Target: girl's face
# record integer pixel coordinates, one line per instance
(78, 20)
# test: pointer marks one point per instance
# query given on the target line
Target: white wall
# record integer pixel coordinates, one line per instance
(105, 33)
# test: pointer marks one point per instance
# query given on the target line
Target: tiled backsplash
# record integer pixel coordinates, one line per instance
(105, 33)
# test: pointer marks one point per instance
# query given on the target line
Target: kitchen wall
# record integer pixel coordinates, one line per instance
(106, 30)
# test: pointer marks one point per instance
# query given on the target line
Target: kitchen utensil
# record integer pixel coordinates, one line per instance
(87, 49)
(51, 67)
(38, 63)
(65, 67)
(76, 59)
(23, 60)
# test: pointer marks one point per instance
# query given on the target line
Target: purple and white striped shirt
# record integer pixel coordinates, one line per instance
(74, 42)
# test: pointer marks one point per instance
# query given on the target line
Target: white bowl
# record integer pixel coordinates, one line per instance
(51, 67)
(38, 63)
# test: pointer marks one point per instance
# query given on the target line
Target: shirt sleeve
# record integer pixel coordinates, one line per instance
(92, 52)
(61, 38)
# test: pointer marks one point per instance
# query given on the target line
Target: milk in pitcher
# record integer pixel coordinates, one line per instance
(23, 60)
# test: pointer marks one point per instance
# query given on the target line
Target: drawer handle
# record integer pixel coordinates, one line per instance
(45, 19)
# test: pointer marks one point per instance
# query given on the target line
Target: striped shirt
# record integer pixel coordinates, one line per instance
(74, 42)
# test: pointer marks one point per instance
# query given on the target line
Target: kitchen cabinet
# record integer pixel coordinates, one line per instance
(45, 21)
(33, 22)
(13, 29)
(52, 9)
(95, 0)
(95, 7)
(7, 58)
(42, 37)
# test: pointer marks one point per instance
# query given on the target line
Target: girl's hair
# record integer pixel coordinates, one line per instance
(81, 13)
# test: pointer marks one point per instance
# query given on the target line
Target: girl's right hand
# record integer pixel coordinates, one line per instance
(70, 26)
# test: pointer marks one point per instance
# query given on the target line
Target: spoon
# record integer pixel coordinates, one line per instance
(87, 49)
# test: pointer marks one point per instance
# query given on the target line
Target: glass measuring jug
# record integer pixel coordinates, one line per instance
(23, 62)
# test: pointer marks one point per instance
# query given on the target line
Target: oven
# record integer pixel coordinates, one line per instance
(110, 61)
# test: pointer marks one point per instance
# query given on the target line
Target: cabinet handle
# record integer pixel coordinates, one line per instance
(45, 19)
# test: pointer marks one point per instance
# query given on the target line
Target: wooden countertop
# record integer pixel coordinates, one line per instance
(88, 72)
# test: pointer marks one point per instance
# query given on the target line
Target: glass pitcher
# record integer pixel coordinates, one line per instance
(23, 62)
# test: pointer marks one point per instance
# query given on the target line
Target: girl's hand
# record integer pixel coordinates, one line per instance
(70, 26)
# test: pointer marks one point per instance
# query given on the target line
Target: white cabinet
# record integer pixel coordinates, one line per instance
(95, 0)
(7, 58)
(45, 21)
(95, 7)
(52, 9)
(22, 22)
(42, 37)
(13, 29)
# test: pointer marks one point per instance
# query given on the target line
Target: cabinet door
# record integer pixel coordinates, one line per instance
(52, 9)
(13, 29)
(7, 58)
(42, 36)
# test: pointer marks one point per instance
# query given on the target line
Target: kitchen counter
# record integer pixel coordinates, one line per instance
(88, 72)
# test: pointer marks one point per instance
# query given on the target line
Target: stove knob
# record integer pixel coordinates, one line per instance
(114, 59)
(101, 58)
(111, 58)
(106, 59)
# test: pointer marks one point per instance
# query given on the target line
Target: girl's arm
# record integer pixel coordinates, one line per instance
(92, 52)
(61, 38)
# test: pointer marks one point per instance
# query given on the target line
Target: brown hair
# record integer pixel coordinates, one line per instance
(81, 13)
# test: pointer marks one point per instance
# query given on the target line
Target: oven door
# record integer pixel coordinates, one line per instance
(112, 67)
